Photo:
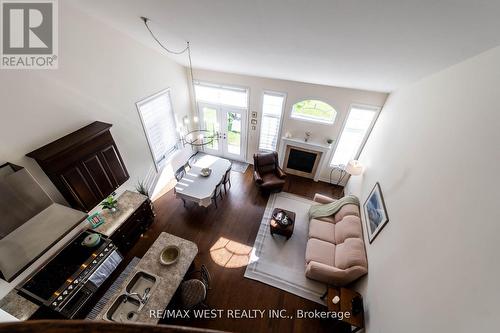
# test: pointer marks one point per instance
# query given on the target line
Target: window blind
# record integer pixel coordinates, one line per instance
(159, 125)
(272, 109)
(354, 134)
(224, 95)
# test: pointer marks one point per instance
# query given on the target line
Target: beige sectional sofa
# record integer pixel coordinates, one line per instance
(335, 252)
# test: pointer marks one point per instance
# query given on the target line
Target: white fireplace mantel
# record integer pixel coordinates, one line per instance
(311, 145)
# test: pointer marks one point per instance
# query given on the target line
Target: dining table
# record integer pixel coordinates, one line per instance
(195, 187)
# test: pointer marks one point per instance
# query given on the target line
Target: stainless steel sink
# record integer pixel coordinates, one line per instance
(140, 283)
(124, 309)
(127, 306)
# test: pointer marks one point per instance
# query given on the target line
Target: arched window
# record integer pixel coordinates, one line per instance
(314, 110)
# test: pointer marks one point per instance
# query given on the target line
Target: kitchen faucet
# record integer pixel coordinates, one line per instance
(142, 299)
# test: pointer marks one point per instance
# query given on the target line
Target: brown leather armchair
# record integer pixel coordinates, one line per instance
(267, 173)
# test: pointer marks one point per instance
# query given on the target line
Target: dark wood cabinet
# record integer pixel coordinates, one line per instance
(133, 217)
(85, 165)
(138, 223)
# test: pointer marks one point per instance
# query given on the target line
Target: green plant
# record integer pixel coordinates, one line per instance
(141, 188)
(109, 203)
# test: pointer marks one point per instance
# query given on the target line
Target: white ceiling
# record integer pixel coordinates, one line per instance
(368, 44)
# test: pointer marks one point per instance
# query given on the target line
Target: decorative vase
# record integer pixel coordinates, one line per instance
(113, 210)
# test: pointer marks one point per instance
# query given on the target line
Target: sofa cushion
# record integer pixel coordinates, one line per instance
(348, 227)
(350, 253)
(265, 162)
(329, 219)
(271, 178)
(346, 211)
(320, 251)
(271, 181)
(266, 168)
(322, 230)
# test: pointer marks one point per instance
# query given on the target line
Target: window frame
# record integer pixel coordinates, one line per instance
(176, 148)
(282, 117)
(311, 120)
(377, 110)
(246, 109)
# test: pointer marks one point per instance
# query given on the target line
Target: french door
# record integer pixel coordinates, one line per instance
(230, 125)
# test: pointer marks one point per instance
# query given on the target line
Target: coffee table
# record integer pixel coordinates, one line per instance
(277, 228)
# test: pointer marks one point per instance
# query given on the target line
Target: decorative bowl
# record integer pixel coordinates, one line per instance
(282, 218)
(169, 255)
(91, 240)
(205, 172)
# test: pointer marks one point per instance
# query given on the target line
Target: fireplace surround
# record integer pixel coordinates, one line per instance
(302, 158)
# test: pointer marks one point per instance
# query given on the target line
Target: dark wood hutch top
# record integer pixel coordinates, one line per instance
(68, 142)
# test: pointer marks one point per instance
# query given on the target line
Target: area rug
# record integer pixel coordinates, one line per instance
(92, 315)
(238, 166)
(278, 262)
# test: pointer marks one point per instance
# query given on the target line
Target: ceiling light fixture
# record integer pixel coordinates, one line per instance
(186, 49)
(197, 137)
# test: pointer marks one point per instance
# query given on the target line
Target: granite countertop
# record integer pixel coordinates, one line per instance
(127, 204)
(170, 277)
(18, 306)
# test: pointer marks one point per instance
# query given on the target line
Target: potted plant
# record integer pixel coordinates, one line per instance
(110, 203)
(141, 188)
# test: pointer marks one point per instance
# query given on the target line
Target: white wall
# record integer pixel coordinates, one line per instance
(102, 73)
(434, 151)
(339, 98)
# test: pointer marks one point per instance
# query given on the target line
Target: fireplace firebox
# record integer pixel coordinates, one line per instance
(301, 160)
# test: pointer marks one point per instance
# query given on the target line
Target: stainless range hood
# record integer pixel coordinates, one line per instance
(30, 221)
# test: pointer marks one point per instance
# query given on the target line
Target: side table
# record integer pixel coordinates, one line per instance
(350, 301)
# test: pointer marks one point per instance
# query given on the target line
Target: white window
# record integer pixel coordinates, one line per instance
(356, 129)
(314, 110)
(270, 124)
(158, 120)
(222, 95)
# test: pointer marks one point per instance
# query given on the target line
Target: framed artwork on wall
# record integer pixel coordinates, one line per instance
(375, 212)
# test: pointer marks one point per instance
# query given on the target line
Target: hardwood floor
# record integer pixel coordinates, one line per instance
(237, 218)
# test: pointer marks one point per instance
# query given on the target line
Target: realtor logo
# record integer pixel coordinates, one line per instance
(29, 34)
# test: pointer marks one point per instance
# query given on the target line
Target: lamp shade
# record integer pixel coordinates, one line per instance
(354, 168)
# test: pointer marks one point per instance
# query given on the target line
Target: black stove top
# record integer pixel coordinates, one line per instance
(64, 267)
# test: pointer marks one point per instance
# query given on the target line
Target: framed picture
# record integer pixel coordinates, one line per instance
(254, 114)
(375, 212)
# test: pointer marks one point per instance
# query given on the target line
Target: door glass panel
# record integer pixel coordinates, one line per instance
(211, 124)
(234, 132)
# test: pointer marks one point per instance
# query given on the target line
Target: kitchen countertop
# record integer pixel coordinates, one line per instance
(170, 277)
(18, 306)
(128, 202)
